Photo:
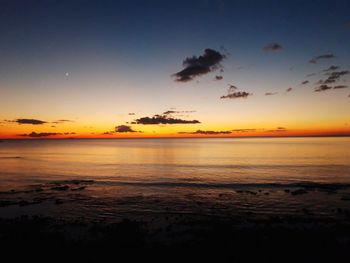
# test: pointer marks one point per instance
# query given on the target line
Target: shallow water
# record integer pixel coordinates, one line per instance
(219, 176)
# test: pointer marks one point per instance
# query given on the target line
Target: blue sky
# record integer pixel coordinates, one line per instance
(120, 57)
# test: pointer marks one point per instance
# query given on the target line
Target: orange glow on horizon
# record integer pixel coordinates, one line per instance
(258, 133)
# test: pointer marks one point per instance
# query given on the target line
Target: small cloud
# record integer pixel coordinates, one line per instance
(41, 134)
(131, 113)
(270, 93)
(236, 95)
(196, 66)
(322, 88)
(305, 82)
(123, 128)
(108, 133)
(61, 121)
(29, 121)
(163, 119)
(273, 47)
(218, 77)
(335, 76)
(289, 89)
(207, 132)
(324, 56)
(340, 87)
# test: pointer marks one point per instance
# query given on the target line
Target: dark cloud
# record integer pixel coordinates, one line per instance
(236, 95)
(334, 76)
(207, 132)
(218, 77)
(340, 87)
(305, 82)
(29, 121)
(324, 56)
(195, 66)
(322, 88)
(163, 119)
(289, 89)
(123, 128)
(270, 93)
(272, 47)
(331, 68)
(131, 113)
(41, 134)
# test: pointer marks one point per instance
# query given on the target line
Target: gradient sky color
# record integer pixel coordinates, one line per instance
(93, 63)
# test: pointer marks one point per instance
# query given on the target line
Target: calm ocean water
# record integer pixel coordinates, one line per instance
(180, 170)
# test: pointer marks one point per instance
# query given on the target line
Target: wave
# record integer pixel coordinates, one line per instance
(306, 185)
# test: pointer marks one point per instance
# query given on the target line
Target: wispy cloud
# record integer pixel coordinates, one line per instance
(315, 60)
(272, 47)
(331, 68)
(169, 112)
(195, 66)
(322, 88)
(305, 82)
(341, 87)
(270, 93)
(163, 119)
(243, 130)
(310, 75)
(289, 89)
(61, 121)
(278, 129)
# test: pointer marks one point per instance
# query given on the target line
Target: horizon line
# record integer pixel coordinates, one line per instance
(169, 137)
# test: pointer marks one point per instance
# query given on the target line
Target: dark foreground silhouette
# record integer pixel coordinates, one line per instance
(292, 239)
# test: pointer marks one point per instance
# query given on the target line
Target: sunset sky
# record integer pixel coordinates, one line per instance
(105, 69)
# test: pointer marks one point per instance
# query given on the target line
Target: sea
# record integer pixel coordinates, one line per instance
(108, 179)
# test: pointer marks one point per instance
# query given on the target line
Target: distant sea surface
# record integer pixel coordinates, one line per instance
(105, 177)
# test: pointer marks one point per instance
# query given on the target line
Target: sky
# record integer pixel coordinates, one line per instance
(109, 69)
